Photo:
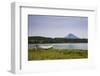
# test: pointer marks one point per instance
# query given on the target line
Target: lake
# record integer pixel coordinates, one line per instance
(83, 46)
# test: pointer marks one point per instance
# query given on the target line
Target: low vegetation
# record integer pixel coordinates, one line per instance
(51, 53)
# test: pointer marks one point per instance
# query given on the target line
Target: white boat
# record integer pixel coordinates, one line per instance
(45, 46)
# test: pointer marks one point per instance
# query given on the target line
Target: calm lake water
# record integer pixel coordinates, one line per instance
(83, 46)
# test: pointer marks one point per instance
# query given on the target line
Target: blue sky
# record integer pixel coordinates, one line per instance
(57, 26)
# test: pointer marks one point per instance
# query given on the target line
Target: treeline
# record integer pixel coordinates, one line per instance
(38, 39)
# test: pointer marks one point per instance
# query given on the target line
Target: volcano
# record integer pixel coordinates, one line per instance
(71, 36)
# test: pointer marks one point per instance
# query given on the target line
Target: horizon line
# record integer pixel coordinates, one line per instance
(57, 37)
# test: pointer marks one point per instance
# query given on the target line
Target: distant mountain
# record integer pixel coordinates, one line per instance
(71, 36)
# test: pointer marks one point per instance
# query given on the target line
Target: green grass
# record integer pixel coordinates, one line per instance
(51, 54)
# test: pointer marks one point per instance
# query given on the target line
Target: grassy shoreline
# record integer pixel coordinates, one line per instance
(51, 54)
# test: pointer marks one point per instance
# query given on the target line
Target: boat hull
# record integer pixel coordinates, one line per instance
(45, 47)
